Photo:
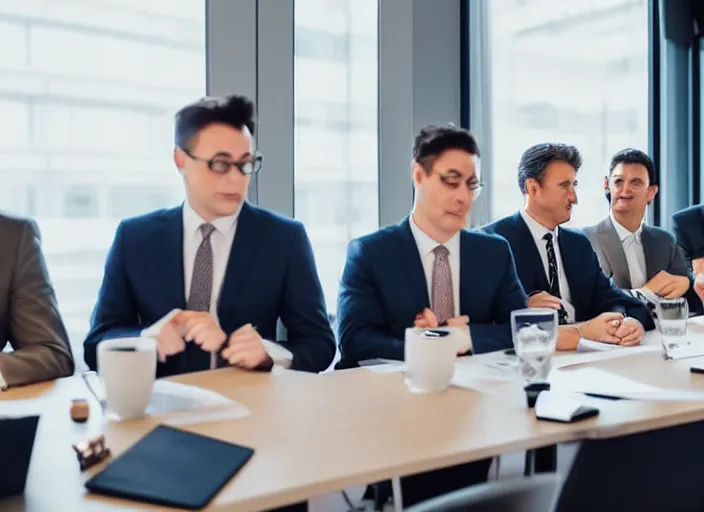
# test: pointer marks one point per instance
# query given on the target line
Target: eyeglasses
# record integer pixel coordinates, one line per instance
(221, 165)
(453, 180)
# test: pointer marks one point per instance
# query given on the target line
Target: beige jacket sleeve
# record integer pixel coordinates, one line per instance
(34, 327)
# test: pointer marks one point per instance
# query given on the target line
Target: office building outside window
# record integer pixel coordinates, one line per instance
(88, 91)
(335, 132)
(573, 72)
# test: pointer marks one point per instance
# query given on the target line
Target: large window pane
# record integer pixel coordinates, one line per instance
(88, 91)
(335, 135)
(574, 72)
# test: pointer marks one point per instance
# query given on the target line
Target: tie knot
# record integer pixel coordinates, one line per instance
(547, 237)
(441, 251)
(206, 230)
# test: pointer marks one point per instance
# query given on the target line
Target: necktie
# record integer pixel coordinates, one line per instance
(635, 259)
(443, 303)
(553, 277)
(201, 290)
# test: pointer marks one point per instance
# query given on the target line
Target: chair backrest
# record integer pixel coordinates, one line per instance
(655, 470)
(532, 494)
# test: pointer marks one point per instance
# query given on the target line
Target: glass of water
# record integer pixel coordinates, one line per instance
(534, 338)
(672, 323)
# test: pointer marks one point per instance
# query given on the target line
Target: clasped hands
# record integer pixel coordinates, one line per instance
(244, 349)
(608, 327)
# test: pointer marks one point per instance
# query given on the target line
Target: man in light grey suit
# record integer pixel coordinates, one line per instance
(642, 260)
(29, 316)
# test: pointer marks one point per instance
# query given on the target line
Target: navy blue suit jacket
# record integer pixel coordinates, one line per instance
(384, 287)
(270, 274)
(591, 291)
(688, 226)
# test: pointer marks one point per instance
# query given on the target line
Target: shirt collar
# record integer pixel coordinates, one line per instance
(536, 228)
(192, 221)
(621, 230)
(427, 245)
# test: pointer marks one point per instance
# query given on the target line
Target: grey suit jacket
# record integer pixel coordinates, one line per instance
(660, 249)
(29, 316)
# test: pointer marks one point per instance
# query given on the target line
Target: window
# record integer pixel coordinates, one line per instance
(573, 72)
(87, 98)
(335, 132)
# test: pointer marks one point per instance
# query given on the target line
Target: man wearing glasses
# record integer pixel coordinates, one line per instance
(429, 271)
(231, 268)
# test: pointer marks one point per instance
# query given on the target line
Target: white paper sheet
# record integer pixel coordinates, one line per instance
(586, 345)
(668, 395)
(596, 381)
(565, 360)
(686, 350)
(179, 404)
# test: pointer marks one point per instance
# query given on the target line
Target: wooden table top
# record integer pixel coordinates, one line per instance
(315, 434)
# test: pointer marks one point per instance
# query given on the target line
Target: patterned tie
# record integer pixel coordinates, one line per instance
(202, 280)
(553, 278)
(442, 298)
(200, 295)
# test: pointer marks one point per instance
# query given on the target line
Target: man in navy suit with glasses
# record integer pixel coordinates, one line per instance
(233, 269)
(428, 270)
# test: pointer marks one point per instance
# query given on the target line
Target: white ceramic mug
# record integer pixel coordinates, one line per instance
(430, 357)
(127, 370)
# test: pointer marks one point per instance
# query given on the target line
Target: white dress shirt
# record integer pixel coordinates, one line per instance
(539, 231)
(633, 249)
(426, 245)
(221, 241)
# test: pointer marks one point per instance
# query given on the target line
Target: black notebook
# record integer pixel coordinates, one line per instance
(16, 443)
(171, 467)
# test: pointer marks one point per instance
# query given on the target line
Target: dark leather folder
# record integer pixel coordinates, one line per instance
(172, 467)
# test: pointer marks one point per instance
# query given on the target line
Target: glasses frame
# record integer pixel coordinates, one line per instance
(213, 163)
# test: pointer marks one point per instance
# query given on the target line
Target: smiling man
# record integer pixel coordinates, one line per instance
(427, 270)
(643, 260)
(232, 268)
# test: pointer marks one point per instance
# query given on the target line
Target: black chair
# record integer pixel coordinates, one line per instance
(534, 494)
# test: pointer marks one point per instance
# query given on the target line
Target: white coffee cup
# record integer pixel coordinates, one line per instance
(127, 370)
(430, 357)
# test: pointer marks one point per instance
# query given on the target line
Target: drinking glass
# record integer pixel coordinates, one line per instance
(534, 338)
(672, 317)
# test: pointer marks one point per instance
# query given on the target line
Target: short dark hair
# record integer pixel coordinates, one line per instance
(535, 161)
(235, 111)
(432, 141)
(634, 156)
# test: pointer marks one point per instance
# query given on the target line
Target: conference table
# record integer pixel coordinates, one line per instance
(317, 434)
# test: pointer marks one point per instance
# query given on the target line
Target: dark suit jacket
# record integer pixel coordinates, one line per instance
(384, 286)
(660, 250)
(591, 292)
(270, 274)
(29, 315)
(688, 226)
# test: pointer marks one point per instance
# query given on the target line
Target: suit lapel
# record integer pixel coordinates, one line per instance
(531, 257)
(171, 260)
(409, 258)
(466, 267)
(651, 252)
(614, 252)
(569, 252)
(244, 246)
